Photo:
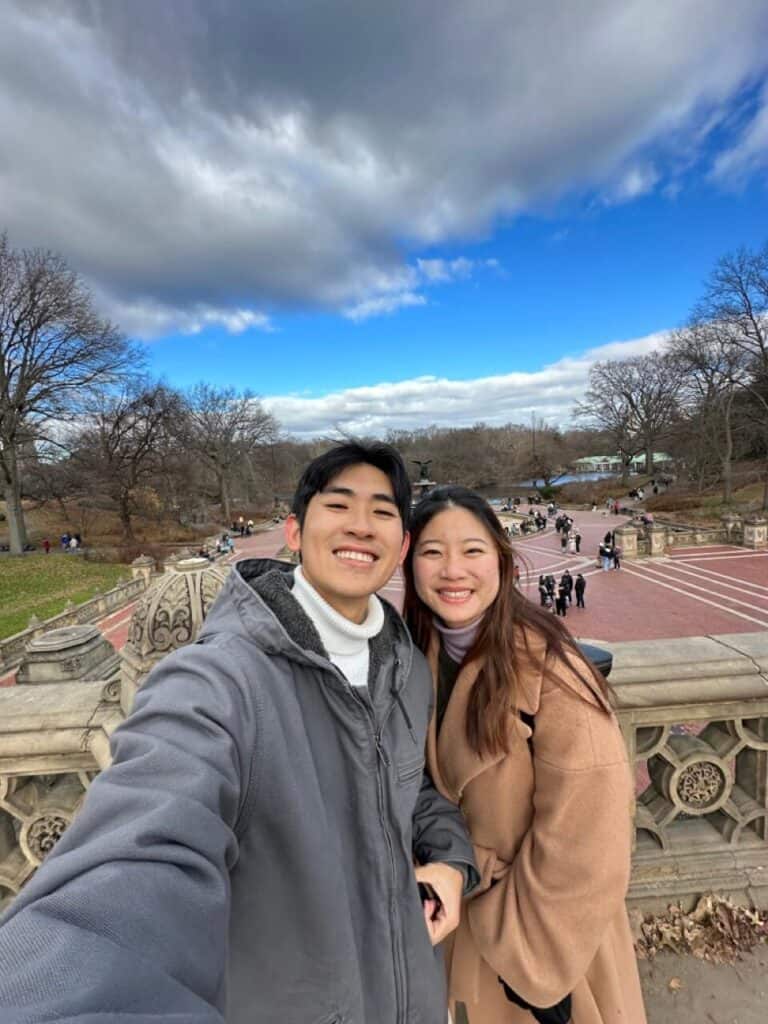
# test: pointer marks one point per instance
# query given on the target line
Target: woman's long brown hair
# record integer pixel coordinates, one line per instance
(511, 618)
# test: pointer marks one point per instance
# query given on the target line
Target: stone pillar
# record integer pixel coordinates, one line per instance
(756, 531)
(142, 568)
(626, 538)
(67, 655)
(657, 540)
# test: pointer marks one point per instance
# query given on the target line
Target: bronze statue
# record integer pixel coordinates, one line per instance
(423, 468)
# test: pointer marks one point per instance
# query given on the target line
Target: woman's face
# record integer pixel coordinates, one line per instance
(456, 567)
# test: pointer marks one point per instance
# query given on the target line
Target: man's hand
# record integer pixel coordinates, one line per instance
(448, 882)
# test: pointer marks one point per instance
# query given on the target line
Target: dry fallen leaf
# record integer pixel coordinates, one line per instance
(675, 984)
(715, 930)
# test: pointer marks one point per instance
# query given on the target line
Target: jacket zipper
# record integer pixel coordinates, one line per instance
(394, 917)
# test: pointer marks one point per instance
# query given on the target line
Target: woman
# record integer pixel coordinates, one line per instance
(524, 740)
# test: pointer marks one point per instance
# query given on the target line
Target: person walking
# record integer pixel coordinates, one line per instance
(543, 592)
(561, 601)
(616, 552)
(46, 545)
(516, 576)
(577, 540)
(579, 587)
(566, 581)
(524, 738)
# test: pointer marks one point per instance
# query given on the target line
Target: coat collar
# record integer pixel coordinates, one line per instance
(452, 762)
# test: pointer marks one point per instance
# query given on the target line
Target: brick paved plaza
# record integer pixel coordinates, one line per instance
(692, 592)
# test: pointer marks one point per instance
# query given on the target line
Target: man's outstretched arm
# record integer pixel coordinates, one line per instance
(127, 919)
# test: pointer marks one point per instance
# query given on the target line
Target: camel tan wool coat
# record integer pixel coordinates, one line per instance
(551, 830)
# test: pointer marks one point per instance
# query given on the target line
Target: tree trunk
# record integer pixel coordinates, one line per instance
(125, 519)
(728, 455)
(13, 509)
(226, 501)
(649, 460)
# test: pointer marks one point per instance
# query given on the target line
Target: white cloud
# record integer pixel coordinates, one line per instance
(750, 153)
(634, 182)
(149, 319)
(408, 404)
(383, 305)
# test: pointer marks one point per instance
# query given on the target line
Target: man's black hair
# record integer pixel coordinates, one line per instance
(322, 470)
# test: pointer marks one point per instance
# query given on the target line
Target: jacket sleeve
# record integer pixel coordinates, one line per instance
(440, 834)
(126, 922)
(540, 925)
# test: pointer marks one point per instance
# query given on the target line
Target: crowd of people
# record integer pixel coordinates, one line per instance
(559, 596)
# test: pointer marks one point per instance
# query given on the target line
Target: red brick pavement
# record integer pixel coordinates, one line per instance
(690, 592)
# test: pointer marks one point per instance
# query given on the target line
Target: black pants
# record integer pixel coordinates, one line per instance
(580, 601)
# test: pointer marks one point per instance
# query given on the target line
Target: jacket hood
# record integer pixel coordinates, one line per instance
(256, 603)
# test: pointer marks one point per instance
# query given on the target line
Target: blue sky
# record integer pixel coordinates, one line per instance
(378, 221)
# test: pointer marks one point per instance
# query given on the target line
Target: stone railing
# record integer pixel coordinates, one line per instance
(694, 713)
(656, 538)
(13, 647)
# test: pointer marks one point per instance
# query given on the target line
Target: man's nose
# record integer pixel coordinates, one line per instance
(360, 522)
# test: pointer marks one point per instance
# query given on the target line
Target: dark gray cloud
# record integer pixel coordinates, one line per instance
(205, 161)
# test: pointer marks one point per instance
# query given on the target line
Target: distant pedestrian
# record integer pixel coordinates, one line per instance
(616, 557)
(566, 582)
(65, 542)
(561, 602)
(550, 585)
(46, 545)
(571, 546)
(516, 576)
(606, 556)
(563, 539)
(543, 594)
(579, 587)
(73, 544)
(577, 540)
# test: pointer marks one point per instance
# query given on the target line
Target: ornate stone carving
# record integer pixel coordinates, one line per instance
(700, 786)
(168, 616)
(43, 833)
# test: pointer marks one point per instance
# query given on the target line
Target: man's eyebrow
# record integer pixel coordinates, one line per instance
(349, 493)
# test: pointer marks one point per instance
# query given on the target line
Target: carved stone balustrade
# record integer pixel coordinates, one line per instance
(694, 713)
(168, 616)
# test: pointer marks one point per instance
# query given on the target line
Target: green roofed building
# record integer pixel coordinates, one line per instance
(612, 463)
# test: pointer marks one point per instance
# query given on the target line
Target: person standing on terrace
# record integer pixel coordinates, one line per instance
(249, 855)
(525, 742)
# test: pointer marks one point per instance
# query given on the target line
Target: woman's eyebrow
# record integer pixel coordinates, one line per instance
(464, 540)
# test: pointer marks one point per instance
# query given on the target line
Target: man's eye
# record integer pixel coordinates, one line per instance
(335, 504)
(386, 512)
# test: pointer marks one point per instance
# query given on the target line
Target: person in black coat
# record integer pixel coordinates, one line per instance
(580, 586)
(566, 582)
(561, 602)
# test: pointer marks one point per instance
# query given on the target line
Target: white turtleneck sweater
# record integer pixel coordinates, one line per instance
(346, 642)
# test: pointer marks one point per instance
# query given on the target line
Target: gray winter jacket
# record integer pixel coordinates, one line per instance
(248, 856)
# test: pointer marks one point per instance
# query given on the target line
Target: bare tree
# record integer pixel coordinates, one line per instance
(225, 429)
(734, 309)
(126, 444)
(710, 368)
(55, 350)
(635, 401)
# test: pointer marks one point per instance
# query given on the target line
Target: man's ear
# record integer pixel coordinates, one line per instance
(292, 532)
(404, 548)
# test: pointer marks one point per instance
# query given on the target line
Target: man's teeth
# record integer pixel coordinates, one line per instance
(355, 556)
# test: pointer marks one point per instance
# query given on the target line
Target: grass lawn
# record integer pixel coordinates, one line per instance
(42, 584)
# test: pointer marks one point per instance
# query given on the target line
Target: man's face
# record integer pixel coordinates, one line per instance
(352, 539)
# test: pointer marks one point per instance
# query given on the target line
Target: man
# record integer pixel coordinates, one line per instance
(577, 539)
(248, 857)
(580, 586)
